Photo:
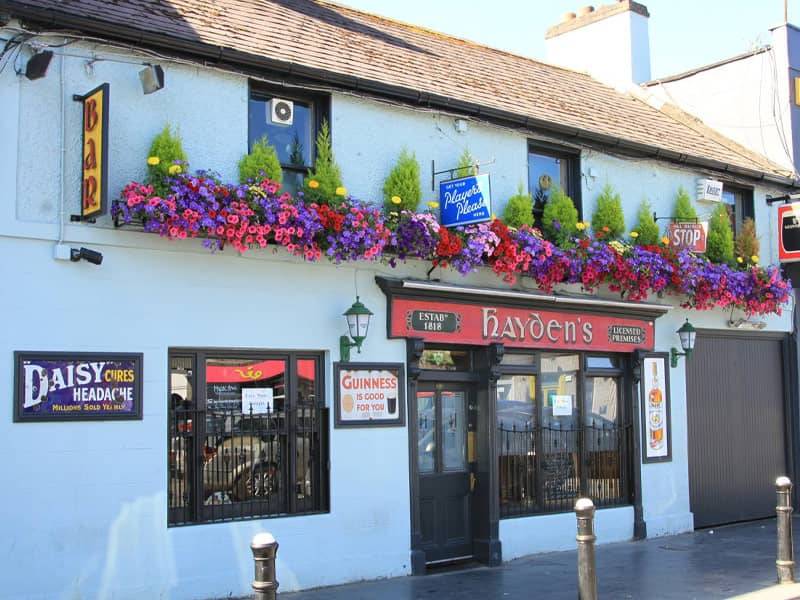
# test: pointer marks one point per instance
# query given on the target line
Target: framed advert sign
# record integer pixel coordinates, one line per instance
(789, 232)
(77, 386)
(369, 395)
(656, 411)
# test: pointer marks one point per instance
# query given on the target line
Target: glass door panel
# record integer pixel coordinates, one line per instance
(453, 431)
(426, 432)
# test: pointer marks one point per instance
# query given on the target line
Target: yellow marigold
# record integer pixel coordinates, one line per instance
(580, 225)
(174, 169)
(153, 160)
(665, 240)
(634, 234)
(341, 191)
(739, 259)
(754, 258)
(586, 224)
(313, 184)
(396, 199)
(433, 204)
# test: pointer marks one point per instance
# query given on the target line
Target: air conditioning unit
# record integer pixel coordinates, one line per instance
(709, 190)
(281, 112)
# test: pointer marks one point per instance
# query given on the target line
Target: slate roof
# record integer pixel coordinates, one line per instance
(366, 51)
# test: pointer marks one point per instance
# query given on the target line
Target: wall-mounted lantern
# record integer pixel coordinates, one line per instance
(687, 334)
(357, 317)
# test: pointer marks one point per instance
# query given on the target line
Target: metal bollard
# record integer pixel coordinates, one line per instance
(587, 571)
(264, 548)
(785, 562)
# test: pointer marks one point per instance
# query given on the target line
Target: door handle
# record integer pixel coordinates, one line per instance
(473, 481)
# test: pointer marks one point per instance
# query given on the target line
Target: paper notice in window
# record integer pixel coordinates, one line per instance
(257, 401)
(562, 406)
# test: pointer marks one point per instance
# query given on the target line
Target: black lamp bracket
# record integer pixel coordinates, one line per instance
(434, 172)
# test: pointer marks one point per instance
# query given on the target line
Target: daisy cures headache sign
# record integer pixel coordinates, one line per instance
(369, 394)
(65, 386)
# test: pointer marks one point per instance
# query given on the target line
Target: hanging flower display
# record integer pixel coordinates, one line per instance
(259, 215)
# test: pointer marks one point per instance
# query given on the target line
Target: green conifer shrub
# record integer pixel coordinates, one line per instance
(261, 162)
(560, 217)
(646, 226)
(608, 214)
(719, 245)
(326, 173)
(403, 182)
(519, 209)
(167, 149)
(684, 209)
(466, 165)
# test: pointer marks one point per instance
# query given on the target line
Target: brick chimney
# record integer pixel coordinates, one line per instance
(610, 42)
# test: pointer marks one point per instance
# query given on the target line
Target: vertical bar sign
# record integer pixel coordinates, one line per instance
(94, 157)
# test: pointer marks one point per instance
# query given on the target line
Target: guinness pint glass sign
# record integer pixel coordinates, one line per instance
(789, 232)
(369, 394)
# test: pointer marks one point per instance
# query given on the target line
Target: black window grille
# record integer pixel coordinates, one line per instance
(563, 431)
(247, 436)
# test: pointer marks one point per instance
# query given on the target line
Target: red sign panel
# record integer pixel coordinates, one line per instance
(688, 236)
(455, 323)
(789, 232)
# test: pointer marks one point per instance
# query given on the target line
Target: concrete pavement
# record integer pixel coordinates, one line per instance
(709, 564)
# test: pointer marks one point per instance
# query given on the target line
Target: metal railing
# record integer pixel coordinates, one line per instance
(226, 465)
(544, 469)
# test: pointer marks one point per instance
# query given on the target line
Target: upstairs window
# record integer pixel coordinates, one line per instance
(550, 167)
(293, 132)
(740, 205)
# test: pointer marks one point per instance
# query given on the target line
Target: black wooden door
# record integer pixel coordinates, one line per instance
(735, 402)
(444, 474)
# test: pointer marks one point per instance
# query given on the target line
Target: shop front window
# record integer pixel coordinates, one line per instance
(561, 434)
(248, 436)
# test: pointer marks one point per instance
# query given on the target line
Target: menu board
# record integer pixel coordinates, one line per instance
(369, 394)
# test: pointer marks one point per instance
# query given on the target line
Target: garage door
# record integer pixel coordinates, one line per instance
(735, 427)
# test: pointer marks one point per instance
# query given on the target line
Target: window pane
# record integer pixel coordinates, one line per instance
(292, 142)
(559, 380)
(515, 359)
(426, 432)
(602, 401)
(545, 173)
(603, 441)
(602, 362)
(516, 419)
(454, 431)
(306, 381)
(242, 448)
(181, 417)
(445, 360)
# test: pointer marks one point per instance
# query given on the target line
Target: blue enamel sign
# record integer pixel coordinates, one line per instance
(465, 200)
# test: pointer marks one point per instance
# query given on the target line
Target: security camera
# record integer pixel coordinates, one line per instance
(92, 256)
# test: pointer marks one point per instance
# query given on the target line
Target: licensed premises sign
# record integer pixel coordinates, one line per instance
(94, 158)
(465, 200)
(76, 386)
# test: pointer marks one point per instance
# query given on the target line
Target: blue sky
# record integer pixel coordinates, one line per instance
(683, 33)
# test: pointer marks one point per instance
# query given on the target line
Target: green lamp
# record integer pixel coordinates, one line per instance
(358, 317)
(687, 334)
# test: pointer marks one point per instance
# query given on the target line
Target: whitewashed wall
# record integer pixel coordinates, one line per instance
(91, 497)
